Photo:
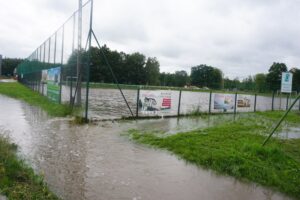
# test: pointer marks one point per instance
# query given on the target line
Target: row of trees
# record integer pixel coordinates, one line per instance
(132, 68)
(270, 81)
(137, 69)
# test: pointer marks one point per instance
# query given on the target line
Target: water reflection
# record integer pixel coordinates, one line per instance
(95, 162)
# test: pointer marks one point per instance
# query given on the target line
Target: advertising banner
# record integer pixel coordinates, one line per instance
(286, 82)
(243, 101)
(53, 84)
(224, 102)
(156, 102)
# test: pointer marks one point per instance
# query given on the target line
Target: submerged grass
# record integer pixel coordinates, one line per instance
(17, 180)
(235, 149)
(19, 91)
(292, 117)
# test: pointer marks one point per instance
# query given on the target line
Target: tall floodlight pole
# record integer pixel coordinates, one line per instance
(79, 72)
(89, 62)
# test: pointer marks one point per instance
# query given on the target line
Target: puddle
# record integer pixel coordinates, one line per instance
(289, 132)
(95, 162)
(169, 126)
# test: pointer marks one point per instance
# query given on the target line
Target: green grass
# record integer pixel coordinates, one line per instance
(17, 180)
(19, 91)
(292, 117)
(235, 149)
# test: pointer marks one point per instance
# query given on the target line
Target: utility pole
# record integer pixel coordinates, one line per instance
(79, 71)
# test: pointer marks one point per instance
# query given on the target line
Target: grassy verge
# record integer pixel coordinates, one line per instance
(18, 91)
(17, 180)
(235, 149)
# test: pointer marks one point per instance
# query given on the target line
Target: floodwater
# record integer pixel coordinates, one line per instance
(289, 132)
(109, 103)
(97, 162)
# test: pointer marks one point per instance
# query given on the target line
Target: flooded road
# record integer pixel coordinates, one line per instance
(97, 162)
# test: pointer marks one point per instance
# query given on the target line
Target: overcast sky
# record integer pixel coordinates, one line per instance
(241, 37)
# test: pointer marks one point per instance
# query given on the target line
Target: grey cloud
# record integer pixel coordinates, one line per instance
(240, 37)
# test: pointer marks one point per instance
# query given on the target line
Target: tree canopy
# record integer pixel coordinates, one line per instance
(9, 64)
(206, 76)
(273, 78)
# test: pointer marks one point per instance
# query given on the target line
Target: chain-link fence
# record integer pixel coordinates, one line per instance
(58, 68)
(107, 103)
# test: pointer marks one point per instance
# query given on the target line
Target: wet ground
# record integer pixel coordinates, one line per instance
(7, 81)
(97, 162)
(2, 197)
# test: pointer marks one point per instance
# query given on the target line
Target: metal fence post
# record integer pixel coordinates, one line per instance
(88, 63)
(40, 55)
(273, 100)
(137, 103)
(71, 70)
(49, 50)
(44, 55)
(54, 56)
(235, 99)
(255, 98)
(62, 63)
(179, 103)
(209, 105)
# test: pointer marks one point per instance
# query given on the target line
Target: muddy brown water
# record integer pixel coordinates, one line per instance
(109, 103)
(97, 162)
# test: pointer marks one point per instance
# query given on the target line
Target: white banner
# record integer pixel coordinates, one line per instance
(158, 102)
(286, 82)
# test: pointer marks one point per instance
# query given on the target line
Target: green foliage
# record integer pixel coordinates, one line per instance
(232, 84)
(296, 79)
(206, 76)
(177, 79)
(292, 117)
(273, 78)
(260, 82)
(17, 180)
(235, 149)
(128, 68)
(248, 84)
(181, 78)
(9, 64)
(152, 71)
(18, 91)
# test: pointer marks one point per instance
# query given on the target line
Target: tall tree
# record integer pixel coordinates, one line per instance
(206, 76)
(152, 71)
(167, 79)
(296, 79)
(273, 78)
(260, 82)
(134, 68)
(181, 78)
(248, 84)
